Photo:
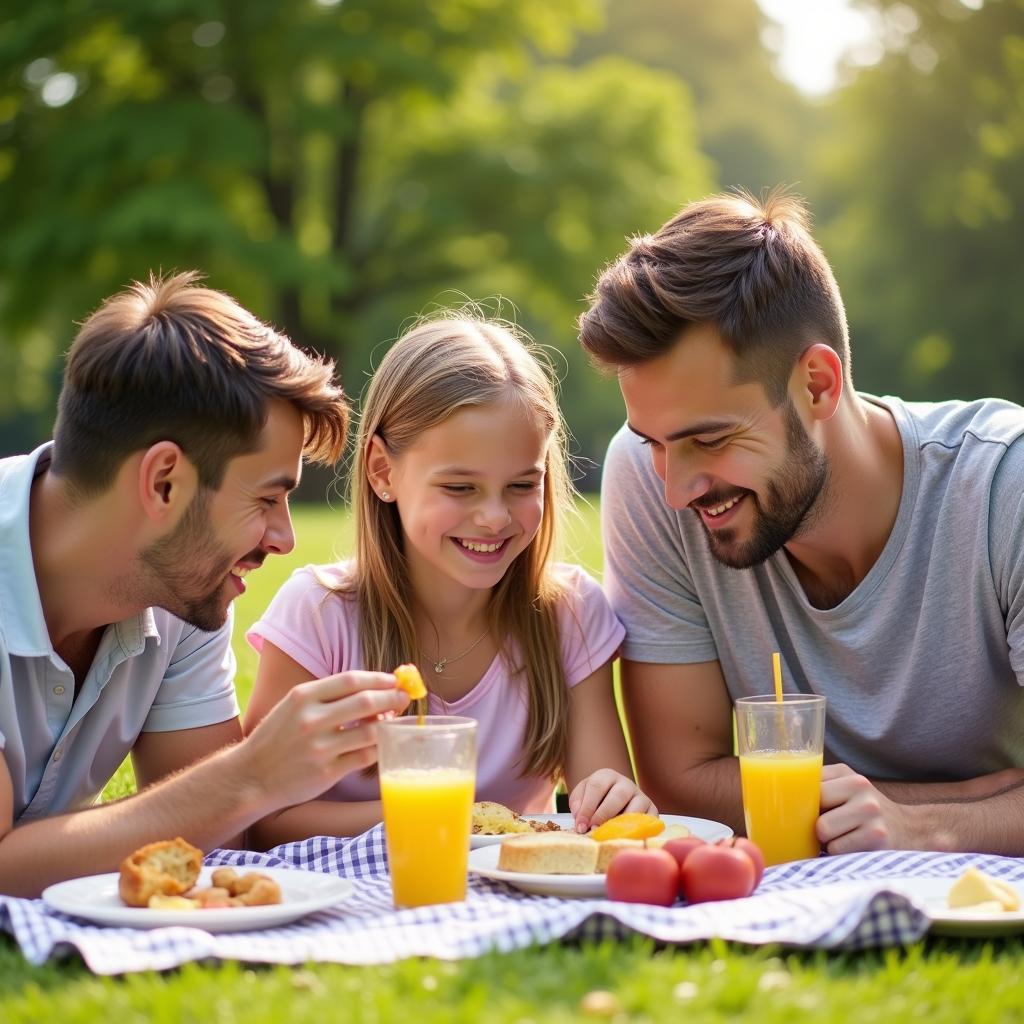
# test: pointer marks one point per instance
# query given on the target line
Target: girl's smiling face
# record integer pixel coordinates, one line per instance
(469, 492)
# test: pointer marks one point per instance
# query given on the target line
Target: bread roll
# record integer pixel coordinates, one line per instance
(169, 867)
(549, 853)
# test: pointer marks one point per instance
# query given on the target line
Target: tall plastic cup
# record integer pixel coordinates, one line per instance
(427, 782)
(780, 747)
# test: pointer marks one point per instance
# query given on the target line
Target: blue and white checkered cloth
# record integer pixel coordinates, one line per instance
(847, 902)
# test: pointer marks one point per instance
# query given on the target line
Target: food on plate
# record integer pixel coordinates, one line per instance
(549, 853)
(631, 825)
(670, 832)
(493, 819)
(169, 867)
(714, 871)
(610, 847)
(982, 893)
(698, 871)
(158, 902)
(249, 890)
(643, 874)
(410, 680)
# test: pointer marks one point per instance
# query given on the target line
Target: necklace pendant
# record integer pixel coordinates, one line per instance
(439, 665)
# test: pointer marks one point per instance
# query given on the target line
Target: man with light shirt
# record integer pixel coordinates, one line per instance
(755, 502)
(182, 425)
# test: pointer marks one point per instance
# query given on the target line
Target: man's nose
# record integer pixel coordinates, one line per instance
(684, 483)
(280, 536)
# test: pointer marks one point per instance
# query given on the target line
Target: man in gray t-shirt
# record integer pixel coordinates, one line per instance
(756, 503)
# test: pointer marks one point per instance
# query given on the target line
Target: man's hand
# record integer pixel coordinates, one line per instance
(602, 795)
(856, 816)
(319, 732)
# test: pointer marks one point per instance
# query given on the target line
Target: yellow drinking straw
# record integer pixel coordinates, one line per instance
(777, 670)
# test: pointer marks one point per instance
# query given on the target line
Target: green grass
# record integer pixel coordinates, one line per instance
(943, 982)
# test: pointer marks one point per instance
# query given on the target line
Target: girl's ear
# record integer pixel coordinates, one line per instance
(378, 467)
(167, 482)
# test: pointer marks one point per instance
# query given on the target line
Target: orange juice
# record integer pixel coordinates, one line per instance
(781, 799)
(427, 817)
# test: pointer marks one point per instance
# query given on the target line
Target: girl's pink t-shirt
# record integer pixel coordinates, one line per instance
(319, 629)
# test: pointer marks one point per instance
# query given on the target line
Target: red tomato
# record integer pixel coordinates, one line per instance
(752, 850)
(643, 875)
(714, 872)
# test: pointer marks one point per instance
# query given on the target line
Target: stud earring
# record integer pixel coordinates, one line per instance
(384, 496)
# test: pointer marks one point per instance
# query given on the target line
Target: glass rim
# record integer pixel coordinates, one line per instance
(435, 723)
(788, 700)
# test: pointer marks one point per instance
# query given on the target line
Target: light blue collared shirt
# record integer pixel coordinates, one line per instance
(151, 673)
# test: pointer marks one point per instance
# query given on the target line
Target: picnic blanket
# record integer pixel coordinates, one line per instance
(846, 902)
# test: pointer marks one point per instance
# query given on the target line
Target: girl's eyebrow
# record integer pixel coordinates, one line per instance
(461, 471)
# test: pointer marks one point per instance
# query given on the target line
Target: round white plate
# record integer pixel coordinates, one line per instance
(95, 899)
(931, 893)
(484, 860)
(701, 827)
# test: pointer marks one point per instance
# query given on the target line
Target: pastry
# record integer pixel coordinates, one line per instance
(169, 867)
(982, 892)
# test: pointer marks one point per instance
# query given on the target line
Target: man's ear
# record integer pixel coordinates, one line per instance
(378, 466)
(816, 383)
(167, 482)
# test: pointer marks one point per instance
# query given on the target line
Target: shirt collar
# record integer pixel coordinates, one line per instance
(21, 610)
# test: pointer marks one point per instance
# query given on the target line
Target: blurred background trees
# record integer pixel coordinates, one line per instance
(341, 167)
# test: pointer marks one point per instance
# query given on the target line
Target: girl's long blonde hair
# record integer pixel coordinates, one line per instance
(436, 369)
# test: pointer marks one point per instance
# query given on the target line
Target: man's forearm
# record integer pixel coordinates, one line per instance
(983, 787)
(211, 802)
(991, 825)
(709, 789)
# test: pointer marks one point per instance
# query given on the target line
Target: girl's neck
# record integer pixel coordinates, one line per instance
(446, 606)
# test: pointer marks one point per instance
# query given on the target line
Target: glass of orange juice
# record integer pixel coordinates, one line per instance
(780, 747)
(427, 782)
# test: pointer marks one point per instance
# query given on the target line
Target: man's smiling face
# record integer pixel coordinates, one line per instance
(750, 472)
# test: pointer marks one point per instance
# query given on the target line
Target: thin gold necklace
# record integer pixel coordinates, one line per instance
(442, 663)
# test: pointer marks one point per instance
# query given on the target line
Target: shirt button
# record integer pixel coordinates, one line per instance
(59, 691)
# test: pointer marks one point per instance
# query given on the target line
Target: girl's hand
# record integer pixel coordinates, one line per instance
(604, 794)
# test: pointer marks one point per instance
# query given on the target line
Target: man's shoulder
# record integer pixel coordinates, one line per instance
(951, 424)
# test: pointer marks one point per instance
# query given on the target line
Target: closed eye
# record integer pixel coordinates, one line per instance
(712, 444)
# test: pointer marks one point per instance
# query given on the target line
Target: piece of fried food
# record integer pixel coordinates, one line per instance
(169, 867)
(230, 889)
(493, 819)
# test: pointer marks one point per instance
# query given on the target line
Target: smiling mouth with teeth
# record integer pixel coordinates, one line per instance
(719, 509)
(239, 571)
(485, 549)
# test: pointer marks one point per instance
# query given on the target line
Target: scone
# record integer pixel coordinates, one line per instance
(169, 867)
(494, 819)
(549, 853)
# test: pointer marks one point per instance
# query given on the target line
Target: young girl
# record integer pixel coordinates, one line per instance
(459, 480)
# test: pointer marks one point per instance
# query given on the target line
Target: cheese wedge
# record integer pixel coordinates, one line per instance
(975, 889)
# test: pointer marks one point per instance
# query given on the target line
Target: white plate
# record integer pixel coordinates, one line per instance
(702, 827)
(931, 893)
(484, 860)
(95, 898)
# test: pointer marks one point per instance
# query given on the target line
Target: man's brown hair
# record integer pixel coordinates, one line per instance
(748, 268)
(170, 360)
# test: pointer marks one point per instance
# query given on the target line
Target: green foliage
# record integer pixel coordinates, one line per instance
(337, 167)
(922, 204)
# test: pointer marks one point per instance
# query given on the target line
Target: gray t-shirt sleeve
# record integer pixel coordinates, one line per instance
(647, 577)
(1006, 548)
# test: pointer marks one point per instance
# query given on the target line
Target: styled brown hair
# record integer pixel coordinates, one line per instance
(748, 268)
(170, 360)
(433, 371)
